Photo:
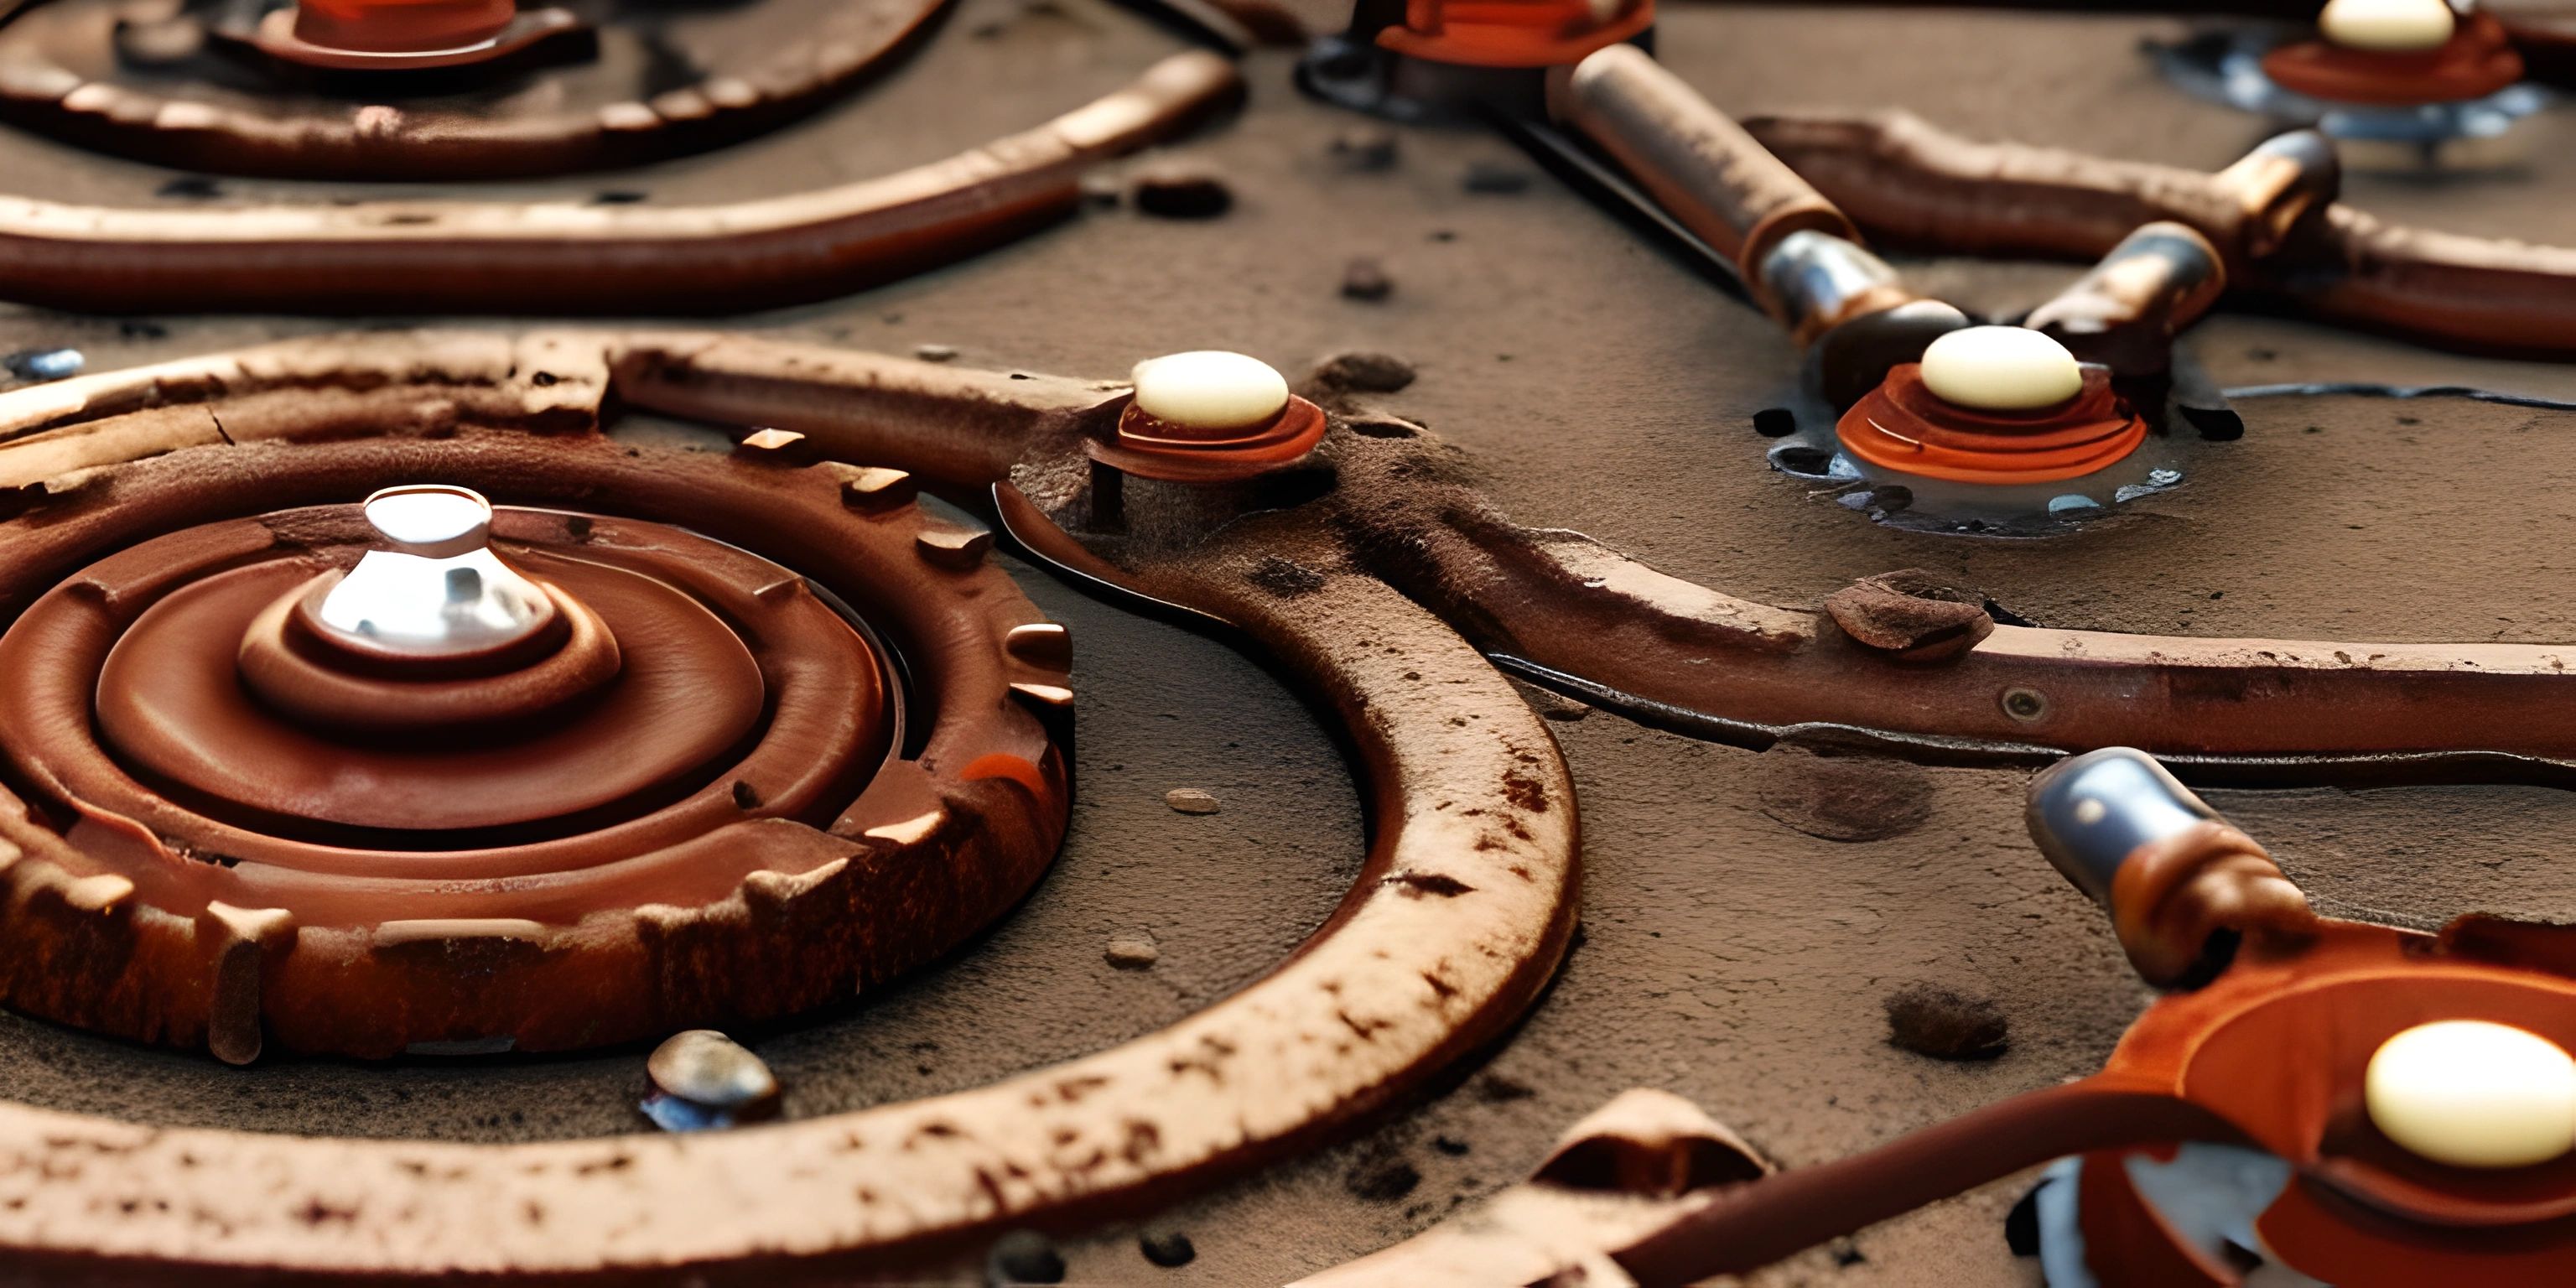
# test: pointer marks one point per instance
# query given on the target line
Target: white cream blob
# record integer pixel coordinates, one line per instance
(2468, 1093)
(1210, 389)
(2388, 26)
(2000, 368)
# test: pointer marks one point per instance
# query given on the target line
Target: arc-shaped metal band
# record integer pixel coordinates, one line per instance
(2546, 37)
(760, 85)
(1457, 920)
(1911, 183)
(470, 257)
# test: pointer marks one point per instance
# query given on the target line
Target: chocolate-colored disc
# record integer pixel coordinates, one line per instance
(171, 703)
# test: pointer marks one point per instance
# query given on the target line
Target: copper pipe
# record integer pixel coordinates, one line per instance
(1699, 164)
(469, 257)
(1911, 183)
(2125, 312)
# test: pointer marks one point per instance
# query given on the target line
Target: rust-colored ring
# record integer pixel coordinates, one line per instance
(61, 80)
(1903, 426)
(759, 895)
(2478, 60)
(1149, 448)
(282, 659)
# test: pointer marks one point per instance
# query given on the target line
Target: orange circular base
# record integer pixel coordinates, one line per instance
(401, 26)
(1902, 426)
(2478, 60)
(1511, 33)
(1156, 449)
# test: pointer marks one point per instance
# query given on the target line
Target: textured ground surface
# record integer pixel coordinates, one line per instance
(1728, 955)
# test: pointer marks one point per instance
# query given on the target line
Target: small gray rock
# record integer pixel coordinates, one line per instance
(1946, 1024)
(702, 1080)
(1132, 952)
(1496, 178)
(1023, 1257)
(1182, 192)
(1191, 800)
(1365, 372)
(1169, 1249)
(1365, 148)
(1366, 279)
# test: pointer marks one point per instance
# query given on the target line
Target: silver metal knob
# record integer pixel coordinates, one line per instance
(436, 590)
(2091, 812)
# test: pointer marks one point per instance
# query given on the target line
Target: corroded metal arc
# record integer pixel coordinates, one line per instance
(752, 85)
(468, 257)
(1914, 184)
(1565, 608)
(1456, 922)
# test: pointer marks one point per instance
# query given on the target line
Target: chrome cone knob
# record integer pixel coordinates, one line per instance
(436, 590)
(2089, 813)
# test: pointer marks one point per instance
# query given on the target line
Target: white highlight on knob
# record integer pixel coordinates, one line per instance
(1210, 389)
(425, 520)
(2388, 26)
(2000, 368)
(2468, 1093)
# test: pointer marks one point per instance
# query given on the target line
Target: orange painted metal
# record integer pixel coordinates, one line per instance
(1513, 33)
(2278, 1046)
(1148, 447)
(1903, 426)
(2478, 60)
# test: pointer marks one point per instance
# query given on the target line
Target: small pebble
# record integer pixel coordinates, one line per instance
(1945, 1024)
(1178, 192)
(1191, 800)
(1132, 952)
(1365, 148)
(1366, 279)
(935, 352)
(1381, 1180)
(44, 364)
(1023, 1257)
(702, 1080)
(1364, 372)
(1915, 614)
(1167, 1248)
(1496, 178)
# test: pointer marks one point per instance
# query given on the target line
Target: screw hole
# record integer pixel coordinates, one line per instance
(2025, 705)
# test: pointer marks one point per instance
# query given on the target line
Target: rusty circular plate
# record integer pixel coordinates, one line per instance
(732, 830)
(177, 84)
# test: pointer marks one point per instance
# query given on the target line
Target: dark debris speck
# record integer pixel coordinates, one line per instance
(1023, 1257)
(1167, 1248)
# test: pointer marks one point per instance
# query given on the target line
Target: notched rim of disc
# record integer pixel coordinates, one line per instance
(768, 63)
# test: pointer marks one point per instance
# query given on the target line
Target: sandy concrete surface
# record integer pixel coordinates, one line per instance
(1596, 383)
